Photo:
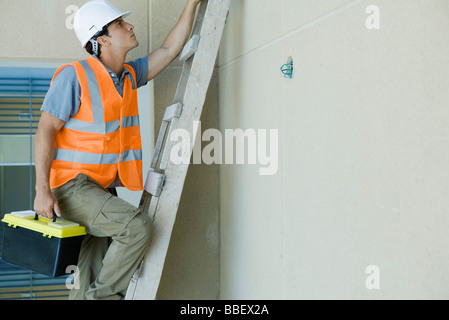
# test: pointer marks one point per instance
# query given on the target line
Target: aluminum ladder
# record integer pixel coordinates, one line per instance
(165, 180)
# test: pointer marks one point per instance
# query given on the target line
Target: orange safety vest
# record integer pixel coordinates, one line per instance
(103, 138)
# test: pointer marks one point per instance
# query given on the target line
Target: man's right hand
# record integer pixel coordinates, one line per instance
(44, 204)
(45, 201)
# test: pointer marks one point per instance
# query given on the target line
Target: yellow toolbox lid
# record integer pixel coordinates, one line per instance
(60, 228)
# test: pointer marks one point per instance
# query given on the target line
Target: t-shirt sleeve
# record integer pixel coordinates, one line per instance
(140, 67)
(63, 98)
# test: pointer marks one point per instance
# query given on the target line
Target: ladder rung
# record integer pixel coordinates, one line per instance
(190, 48)
(154, 183)
(173, 111)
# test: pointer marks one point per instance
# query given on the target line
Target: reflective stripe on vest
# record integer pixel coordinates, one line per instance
(108, 127)
(97, 158)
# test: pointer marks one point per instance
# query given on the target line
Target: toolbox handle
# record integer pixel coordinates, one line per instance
(36, 216)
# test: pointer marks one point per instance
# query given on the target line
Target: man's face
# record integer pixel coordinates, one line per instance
(121, 35)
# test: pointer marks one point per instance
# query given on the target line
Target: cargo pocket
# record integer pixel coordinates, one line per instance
(82, 202)
(114, 217)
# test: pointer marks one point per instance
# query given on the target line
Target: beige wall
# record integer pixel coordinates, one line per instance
(41, 29)
(363, 157)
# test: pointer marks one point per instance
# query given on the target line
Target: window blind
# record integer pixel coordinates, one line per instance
(21, 98)
(20, 103)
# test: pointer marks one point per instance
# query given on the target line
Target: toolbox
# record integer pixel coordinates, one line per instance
(39, 244)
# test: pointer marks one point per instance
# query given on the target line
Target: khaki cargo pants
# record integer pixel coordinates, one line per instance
(118, 236)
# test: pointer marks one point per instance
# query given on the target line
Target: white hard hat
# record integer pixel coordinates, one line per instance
(92, 17)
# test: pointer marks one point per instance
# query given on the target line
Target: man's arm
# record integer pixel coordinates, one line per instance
(160, 58)
(45, 201)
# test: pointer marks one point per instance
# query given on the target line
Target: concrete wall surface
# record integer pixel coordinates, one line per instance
(42, 30)
(358, 206)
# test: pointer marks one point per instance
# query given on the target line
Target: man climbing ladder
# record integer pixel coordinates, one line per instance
(88, 143)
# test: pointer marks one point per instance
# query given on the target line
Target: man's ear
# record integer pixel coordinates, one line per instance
(104, 41)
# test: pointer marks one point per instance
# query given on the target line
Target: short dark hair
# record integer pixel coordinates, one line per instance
(103, 32)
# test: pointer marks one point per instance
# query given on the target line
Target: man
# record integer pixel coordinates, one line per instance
(88, 142)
